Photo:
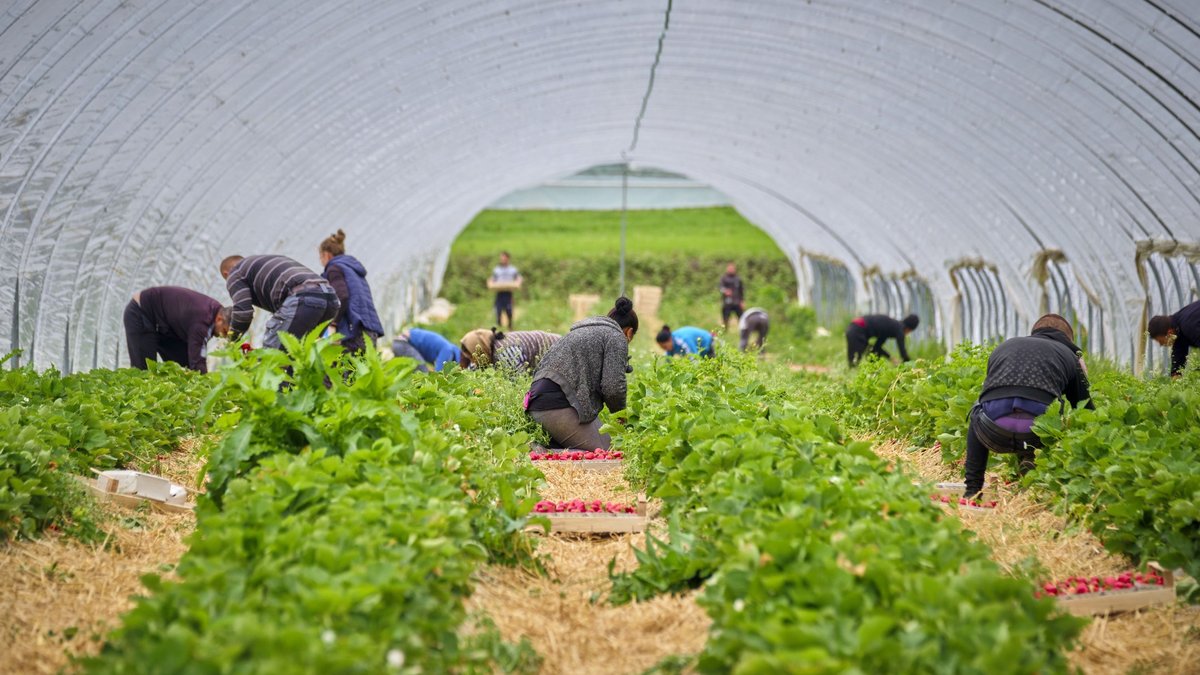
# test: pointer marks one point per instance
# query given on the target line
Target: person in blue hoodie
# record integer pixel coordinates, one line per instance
(435, 349)
(687, 340)
(357, 319)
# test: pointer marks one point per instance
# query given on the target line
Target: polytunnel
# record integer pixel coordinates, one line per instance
(1011, 156)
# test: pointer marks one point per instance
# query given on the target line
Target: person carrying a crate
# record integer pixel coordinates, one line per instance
(1025, 375)
(880, 328)
(504, 278)
(581, 373)
(1179, 331)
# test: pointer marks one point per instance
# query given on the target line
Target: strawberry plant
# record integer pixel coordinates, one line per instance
(348, 511)
(812, 552)
(54, 427)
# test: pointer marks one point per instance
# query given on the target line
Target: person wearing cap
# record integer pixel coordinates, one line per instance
(1025, 375)
(298, 298)
(688, 340)
(433, 348)
(756, 321)
(517, 351)
(174, 323)
(1179, 331)
(880, 328)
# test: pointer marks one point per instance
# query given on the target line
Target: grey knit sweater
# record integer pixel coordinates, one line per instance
(589, 364)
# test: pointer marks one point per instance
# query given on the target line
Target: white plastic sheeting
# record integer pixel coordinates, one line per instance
(142, 140)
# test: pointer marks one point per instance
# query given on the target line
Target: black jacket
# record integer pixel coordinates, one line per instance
(881, 327)
(1041, 367)
(1186, 323)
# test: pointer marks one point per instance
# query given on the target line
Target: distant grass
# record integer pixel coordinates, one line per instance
(596, 234)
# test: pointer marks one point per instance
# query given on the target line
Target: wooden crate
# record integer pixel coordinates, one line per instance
(503, 285)
(600, 465)
(583, 304)
(598, 523)
(1128, 600)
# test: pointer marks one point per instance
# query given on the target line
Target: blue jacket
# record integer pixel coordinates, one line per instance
(358, 311)
(433, 347)
(691, 340)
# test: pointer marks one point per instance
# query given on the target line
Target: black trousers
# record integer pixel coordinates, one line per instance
(504, 305)
(728, 310)
(146, 343)
(984, 437)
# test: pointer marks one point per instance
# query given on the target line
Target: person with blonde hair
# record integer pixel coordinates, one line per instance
(357, 319)
(517, 351)
(1025, 375)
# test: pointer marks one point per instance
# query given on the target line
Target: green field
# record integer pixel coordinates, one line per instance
(597, 234)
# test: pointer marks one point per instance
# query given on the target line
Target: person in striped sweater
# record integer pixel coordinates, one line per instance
(516, 350)
(298, 298)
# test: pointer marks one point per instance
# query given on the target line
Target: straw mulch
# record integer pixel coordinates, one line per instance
(60, 597)
(1157, 640)
(565, 616)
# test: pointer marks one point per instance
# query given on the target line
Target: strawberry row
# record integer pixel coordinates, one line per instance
(1081, 585)
(580, 506)
(576, 455)
(963, 501)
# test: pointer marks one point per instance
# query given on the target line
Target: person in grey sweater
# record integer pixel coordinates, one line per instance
(581, 373)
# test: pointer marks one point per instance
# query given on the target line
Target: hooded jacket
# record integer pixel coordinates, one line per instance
(433, 347)
(588, 364)
(348, 276)
(1186, 323)
(1041, 367)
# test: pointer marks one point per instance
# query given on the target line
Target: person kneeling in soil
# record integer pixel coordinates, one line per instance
(863, 329)
(580, 373)
(1025, 375)
(756, 321)
(518, 351)
(688, 340)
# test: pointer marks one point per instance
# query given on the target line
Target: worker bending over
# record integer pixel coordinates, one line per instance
(880, 328)
(174, 323)
(1025, 375)
(298, 298)
(756, 321)
(1179, 331)
(434, 349)
(356, 319)
(518, 351)
(688, 340)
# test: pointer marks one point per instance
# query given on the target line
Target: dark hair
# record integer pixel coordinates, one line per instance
(1159, 325)
(911, 321)
(664, 335)
(334, 244)
(1055, 322)
(622, 312)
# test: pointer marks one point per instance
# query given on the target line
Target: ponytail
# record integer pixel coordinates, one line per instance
(622, 312)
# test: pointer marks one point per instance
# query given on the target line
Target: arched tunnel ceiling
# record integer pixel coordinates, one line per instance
(141, 141)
